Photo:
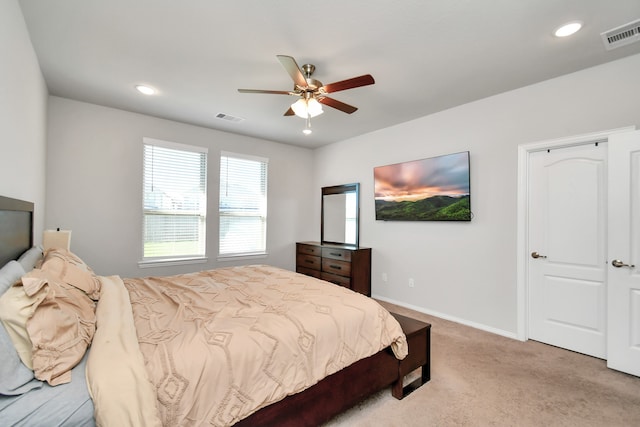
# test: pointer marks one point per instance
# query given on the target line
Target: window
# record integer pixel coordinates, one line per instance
(175, 201)
(243, 205)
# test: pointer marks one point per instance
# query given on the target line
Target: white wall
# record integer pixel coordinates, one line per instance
(23, 101)
(94, 186)
(467, 271)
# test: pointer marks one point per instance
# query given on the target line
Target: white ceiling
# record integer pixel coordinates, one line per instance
(425, 55)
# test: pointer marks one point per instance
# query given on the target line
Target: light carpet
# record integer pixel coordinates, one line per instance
(482, 379)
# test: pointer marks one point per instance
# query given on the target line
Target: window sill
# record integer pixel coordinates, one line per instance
(170, 262)
(234, 257)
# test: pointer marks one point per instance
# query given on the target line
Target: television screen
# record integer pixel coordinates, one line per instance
(433, 189)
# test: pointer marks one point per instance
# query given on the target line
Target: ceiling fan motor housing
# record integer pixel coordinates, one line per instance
(312, 84)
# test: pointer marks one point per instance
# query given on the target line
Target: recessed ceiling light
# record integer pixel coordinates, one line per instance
(147, 90)
(568, 29)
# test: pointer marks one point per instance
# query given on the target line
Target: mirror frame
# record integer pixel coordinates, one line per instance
(341, 189)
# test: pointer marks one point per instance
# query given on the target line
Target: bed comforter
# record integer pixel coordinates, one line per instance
(215, 346)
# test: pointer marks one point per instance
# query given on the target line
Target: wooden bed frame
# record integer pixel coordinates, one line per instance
(315, 405)
(331, 396)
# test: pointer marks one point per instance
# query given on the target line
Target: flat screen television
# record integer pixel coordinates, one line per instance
(433, 189)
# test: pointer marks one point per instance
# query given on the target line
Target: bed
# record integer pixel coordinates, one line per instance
(246, 346)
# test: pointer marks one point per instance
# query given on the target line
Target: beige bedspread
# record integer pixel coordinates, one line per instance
(220, 344)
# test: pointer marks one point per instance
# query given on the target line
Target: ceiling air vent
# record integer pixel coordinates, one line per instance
(229, 118)
(622, 35)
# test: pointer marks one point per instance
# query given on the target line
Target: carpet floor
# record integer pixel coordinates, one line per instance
(482, 379)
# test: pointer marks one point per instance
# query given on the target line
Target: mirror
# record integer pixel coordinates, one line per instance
(340, 213)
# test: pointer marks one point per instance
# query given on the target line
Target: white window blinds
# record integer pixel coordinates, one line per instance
(175, 201)
(243, 204)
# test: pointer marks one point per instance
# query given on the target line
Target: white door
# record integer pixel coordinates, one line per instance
(567, 265)
(624, 253)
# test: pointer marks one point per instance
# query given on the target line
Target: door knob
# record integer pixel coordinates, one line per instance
(536, 255)
(617, 263)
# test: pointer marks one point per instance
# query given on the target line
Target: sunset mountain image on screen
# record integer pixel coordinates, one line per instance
(433, 189)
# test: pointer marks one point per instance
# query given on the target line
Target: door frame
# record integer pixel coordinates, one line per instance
(522, 243)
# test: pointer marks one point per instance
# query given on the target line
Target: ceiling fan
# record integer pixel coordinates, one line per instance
(312, 92)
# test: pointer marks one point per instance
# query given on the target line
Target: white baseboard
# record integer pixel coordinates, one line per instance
(475, 325)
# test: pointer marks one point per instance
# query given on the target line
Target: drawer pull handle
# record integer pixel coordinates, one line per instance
(308, 261)
(337, 267)
(335, 253)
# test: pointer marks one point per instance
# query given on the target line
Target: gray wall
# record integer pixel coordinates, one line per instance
(23, 102)
(467, 271)
(94, 186)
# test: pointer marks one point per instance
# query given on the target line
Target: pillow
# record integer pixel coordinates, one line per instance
(16, 307)
(50, 316)
(71, 270)
(15, 377)
(10, 274)
(31, 258)
(61, 327)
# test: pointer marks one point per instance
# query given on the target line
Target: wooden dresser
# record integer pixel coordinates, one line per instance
(343, 265)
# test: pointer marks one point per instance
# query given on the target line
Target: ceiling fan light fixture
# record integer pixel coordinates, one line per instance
(314, 107)
(307, 108)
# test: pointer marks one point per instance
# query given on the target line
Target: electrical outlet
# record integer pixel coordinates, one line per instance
(385, 278)
(411, 282)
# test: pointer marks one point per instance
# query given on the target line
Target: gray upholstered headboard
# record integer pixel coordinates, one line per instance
(16, 228)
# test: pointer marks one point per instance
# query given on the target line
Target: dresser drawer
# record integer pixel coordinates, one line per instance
(334, 253)
(308, 261)
(308, 249)
(341, 268)
(338, 280)
(309, 272)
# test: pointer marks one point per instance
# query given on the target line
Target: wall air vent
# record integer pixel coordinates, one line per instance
(622, 35)
(228, 118)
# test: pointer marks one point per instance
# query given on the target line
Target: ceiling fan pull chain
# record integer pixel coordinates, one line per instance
(307, 130)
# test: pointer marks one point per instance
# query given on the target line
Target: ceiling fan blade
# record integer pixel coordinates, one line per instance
(289, 112)
(364, 80)
(272, 92)
(292, 68)
(337, 104)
